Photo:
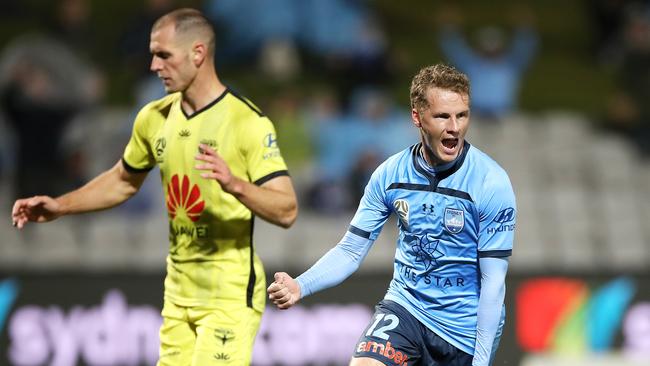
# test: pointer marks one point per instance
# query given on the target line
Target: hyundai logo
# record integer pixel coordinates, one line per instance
(505, 215)
(270, 140)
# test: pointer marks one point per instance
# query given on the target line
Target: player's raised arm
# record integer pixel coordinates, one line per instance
(109, 189)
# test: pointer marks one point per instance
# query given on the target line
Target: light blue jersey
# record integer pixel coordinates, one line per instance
(448, 218)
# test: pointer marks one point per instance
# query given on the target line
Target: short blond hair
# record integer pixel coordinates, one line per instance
(436, 76)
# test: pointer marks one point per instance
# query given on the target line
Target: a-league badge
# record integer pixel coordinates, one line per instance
(454, 220)
(402, 209)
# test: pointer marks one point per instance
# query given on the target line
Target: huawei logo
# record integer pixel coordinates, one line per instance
(180, 198)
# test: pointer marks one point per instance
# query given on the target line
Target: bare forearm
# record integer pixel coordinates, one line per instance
(107, 190)
(276, 206)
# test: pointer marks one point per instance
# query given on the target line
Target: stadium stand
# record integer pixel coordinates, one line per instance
(582, 198)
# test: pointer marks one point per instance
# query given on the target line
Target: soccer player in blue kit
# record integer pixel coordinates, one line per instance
(456, 216)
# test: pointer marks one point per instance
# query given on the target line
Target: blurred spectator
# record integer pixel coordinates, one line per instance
(629, 110)
(44, 83)
(244, 27)
(292, 130)
(134, 49)
(282, 35)
(349, 146)
(495, 67)
(73, 26)
(380, 129)
(279, 60)
(608, 17)
(351, 51)
(331, 143)
(134, 41)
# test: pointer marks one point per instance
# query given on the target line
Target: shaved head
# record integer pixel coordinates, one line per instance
(191, 25)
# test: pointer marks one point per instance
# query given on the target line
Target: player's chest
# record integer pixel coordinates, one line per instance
(446, 213)
(178, 140)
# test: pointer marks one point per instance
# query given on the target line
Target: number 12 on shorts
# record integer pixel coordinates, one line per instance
(390, 322)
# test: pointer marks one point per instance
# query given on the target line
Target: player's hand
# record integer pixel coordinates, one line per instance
(36, 209)
(284, 292)
(214, 167)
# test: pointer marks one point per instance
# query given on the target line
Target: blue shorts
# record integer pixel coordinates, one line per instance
(395, 337)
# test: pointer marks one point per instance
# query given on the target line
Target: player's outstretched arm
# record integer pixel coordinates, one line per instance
(109, 189)
(274, 201)
(330, 270)
(36, 209)
(284, 292)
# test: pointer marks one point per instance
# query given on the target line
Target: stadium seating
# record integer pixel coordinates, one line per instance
(583, 204)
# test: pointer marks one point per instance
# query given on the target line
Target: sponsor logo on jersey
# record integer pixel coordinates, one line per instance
(503, 218)
(505, 215)
(385, 349)
(159, 146)
(184, 197)
(454, 220)
(193, 231)
(426, 250)
(413, 275)
(224, 335)
(184, 133)
(402, 209)
(221, 356)
(210, 142)
(270, 141)
(272, 154)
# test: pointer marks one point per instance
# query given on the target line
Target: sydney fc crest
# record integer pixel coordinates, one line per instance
(454, 220)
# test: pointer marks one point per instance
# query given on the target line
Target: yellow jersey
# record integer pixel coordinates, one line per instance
(211, 260)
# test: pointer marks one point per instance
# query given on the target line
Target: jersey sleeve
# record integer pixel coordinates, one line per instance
(138, 154)
(373, 210)
(497, 216)
(261, 151)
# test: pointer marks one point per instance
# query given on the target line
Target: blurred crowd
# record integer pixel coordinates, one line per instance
(335, 130)
(622, 45)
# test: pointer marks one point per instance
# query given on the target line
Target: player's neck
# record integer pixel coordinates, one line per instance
(204, 90)
(432, 161)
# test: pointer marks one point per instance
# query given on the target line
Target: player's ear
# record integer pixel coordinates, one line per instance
(415, 117)
(199, 53)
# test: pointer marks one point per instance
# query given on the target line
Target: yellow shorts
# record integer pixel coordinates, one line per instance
(192, 336)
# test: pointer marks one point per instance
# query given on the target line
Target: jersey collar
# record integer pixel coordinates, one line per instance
(437, 173)
(208, 106)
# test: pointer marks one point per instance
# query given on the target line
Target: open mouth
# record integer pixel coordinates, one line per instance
(450, 143)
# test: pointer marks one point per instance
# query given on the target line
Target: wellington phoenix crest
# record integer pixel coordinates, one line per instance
(183, 198)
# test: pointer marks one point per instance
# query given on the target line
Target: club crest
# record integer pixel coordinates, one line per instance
(454, 220)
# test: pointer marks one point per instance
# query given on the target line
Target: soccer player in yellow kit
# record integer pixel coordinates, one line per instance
(220, 166)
